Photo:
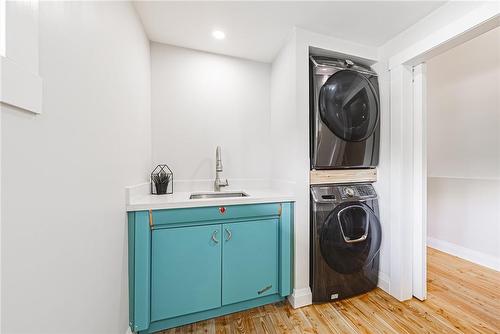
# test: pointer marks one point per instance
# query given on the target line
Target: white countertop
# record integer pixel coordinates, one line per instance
(138, 200)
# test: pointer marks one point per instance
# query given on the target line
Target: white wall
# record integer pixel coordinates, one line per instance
(464, 109)
(463, 104)
(64, 267)
(282, 114)
(20, 83)
(464, 219)
(201, 100)
(21, 25)
(285, 140)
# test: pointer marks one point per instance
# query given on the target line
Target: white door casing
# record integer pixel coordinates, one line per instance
(401, 181)
(419, 265)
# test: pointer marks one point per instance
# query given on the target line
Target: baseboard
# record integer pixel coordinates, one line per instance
(128, 331)
(300, 297)
(303, 297)
(468, 254)
(384, 282)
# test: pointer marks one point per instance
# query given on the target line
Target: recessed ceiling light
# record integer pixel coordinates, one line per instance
(218, 34)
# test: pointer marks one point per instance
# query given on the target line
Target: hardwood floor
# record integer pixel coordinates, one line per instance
(462, 298)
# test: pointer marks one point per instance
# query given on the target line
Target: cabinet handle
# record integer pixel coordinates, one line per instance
(229, 234)
(214, 237)
(265, 289)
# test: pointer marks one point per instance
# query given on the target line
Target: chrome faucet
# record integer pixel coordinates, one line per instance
(218, 169)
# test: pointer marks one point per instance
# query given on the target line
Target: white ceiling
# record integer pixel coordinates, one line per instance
(257, 30)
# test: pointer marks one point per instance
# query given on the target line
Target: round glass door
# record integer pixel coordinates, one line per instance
(350, 237)
(348, 105)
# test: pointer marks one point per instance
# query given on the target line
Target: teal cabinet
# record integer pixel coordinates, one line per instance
(191, 264)
(186, 270)
(250, 260)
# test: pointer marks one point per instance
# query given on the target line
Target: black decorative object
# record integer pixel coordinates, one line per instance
(162, 180)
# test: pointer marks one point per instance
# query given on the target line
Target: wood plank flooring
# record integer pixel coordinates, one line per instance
(462, 298)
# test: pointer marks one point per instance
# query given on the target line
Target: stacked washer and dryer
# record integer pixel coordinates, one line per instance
(344, 133)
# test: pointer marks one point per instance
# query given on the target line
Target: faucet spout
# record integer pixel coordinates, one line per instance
(218, 183)
(218, 160)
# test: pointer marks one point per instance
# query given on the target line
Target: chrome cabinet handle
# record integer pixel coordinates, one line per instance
(229, 234)
(214, 237)
(264, 289)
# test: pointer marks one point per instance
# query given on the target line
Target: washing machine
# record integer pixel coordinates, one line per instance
(345, 241)
(344, 114)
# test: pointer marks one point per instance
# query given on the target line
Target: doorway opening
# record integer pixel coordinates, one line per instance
(463, 150)
(456, 161)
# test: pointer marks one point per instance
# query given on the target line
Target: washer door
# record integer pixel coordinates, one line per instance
(350, 237)
(348, 105)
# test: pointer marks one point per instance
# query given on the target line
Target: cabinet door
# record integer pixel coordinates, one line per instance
(250, 260)
(186, 270)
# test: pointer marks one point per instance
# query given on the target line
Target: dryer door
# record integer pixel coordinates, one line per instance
(350, 237)
(349, 106)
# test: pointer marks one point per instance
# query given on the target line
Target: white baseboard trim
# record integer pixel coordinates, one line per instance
(300, 297)
(128, 331)
(468, 254)
(384, 282)
(303, 297)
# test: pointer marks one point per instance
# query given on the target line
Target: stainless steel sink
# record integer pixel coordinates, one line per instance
(218, 195)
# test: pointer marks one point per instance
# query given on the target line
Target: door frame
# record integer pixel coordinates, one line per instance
(408, 197)
(419, 264)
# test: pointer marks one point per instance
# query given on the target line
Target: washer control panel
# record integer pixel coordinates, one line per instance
(332, 194)
(357, 191)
